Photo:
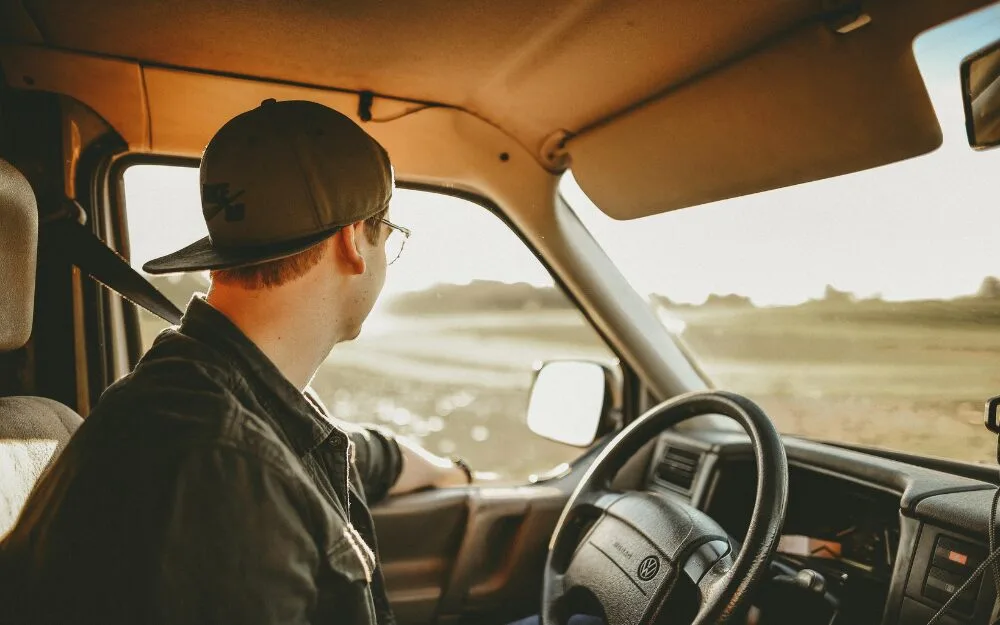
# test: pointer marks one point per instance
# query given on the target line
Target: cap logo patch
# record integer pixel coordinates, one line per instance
(216, 198)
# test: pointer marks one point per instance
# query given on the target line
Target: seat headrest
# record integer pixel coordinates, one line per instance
(18, 253)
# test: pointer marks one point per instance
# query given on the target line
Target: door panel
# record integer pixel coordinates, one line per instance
(477, 554)
(462, 553)
(498, 573)
(418, 539)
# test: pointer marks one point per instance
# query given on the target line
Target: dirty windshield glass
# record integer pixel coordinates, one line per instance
(862, 309)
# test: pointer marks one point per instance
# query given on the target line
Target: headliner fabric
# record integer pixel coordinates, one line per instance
(33, 430)
(529, 67)
(18, 250)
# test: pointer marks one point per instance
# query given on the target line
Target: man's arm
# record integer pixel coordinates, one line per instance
(236, 546)
(422, 469)
(394, 465)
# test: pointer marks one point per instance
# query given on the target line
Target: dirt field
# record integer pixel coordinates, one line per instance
(459, 383)
(905, 376)
(910, 376)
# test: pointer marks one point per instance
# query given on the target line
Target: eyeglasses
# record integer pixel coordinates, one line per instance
(394, 244)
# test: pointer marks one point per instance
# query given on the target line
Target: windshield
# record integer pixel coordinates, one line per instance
(863, 309)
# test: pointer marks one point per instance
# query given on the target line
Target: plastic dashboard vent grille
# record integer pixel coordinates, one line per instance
(677, 467)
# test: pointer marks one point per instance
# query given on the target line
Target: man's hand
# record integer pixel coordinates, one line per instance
(422, 469)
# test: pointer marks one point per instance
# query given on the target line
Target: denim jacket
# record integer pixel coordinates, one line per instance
(204, 488)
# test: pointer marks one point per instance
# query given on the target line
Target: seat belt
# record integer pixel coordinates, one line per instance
(81, 247)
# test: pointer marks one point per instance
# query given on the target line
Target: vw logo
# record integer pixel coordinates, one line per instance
(648, 568)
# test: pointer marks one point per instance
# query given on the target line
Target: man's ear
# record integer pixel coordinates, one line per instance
(346, 242)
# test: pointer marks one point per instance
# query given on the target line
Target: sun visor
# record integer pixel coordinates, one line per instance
(811, 105)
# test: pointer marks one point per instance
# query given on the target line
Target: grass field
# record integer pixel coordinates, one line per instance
(910, 376)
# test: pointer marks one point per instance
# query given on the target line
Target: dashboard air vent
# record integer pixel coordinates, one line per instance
(677, 467)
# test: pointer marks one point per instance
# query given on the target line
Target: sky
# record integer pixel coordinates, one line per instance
(928, 227)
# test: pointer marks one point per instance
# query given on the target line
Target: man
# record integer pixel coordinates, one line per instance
(209, 485)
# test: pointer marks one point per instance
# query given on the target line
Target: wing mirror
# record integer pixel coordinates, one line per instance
(980, 73)
(575, 401)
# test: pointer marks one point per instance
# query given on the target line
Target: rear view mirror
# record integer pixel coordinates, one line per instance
(573, 402)
(981, 96)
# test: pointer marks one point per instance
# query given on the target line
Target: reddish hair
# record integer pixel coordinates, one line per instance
(283, 270)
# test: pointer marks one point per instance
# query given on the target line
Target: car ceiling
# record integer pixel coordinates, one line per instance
(540, 71)
(529, 67)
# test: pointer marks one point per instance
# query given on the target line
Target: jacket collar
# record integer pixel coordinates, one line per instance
(302, 422)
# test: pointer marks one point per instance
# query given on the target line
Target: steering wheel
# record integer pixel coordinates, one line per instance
(641, 558)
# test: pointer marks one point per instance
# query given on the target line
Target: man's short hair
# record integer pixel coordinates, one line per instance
(283, 270)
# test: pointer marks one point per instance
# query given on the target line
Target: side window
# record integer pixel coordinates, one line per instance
(447, 355)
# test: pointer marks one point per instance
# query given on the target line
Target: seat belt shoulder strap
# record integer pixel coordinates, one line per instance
(81, 247)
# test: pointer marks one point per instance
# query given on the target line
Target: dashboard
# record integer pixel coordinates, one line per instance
(866, 540)
(845, 532)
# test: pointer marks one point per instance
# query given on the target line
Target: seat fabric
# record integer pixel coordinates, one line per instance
(32, 429)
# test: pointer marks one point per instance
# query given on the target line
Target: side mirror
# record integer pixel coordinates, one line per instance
(574, 401)
(980, 73)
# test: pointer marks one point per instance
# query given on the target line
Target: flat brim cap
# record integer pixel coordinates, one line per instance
(279, 179)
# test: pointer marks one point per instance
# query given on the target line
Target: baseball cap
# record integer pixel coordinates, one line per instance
(277, 180)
